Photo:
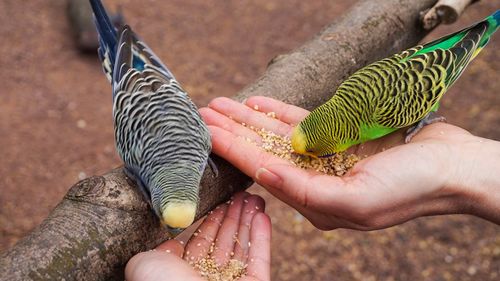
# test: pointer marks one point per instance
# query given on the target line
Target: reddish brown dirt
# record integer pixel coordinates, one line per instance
(55, 126)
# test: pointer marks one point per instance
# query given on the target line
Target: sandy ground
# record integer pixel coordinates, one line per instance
(55, 126)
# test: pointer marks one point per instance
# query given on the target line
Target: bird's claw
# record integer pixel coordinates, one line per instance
(413, 130)
(213, 167)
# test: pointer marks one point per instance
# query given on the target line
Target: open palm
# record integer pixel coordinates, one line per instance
(238, 231)
(395, 183)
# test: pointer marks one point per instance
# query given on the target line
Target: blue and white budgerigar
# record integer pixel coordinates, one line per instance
(159, 132)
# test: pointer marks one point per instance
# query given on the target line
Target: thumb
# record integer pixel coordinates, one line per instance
(157, 266)
(164, 261)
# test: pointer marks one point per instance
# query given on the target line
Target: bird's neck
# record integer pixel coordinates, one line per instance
(173, 183)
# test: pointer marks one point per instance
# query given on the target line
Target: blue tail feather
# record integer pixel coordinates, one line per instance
(496, 16)
(142, 55)
(104, 25)
(108, 38)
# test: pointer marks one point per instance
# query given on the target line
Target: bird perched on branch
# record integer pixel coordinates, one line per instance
(396, 92)
(158, 130)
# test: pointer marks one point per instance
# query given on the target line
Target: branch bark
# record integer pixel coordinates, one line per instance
(445, 11)
(103, 220)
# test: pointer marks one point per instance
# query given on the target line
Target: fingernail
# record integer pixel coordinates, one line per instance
(266, 177)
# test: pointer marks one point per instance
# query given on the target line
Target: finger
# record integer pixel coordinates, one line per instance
(253, 205)
(259, 260)
(199, 245)
(244, 114)
(171, 246)
(156, 265)
(230, 147)
(307, 191)
(224, 243)
(244, 155)
(214, 118)
(287, 113)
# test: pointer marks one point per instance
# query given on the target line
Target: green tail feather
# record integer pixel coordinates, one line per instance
(484, 28)
(465, 45)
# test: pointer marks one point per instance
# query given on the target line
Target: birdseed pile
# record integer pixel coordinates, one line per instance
(336, 165)
(209, 270)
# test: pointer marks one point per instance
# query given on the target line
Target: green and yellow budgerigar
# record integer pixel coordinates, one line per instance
(392, 93)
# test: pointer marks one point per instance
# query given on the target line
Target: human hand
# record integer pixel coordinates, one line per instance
(443, 170)
(239, 228)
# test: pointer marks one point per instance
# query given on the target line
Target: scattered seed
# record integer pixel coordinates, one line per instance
(280, 146)
(271, 114)
(232, 270)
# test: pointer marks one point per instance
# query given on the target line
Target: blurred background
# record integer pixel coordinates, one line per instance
(56, 125)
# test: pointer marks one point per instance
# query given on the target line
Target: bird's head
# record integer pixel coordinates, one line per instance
(300, 143)
(174, 196)
(313, 139)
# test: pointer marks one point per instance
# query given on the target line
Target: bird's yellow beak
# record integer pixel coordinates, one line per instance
(298, 141)
(179, 214)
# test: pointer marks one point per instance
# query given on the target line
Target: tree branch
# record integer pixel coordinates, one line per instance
(103, 221)
(445, 11)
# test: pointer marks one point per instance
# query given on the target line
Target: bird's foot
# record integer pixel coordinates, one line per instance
(213, 167)
(413, 130)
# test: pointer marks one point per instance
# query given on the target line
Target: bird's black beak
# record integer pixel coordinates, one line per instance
(327, 155)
